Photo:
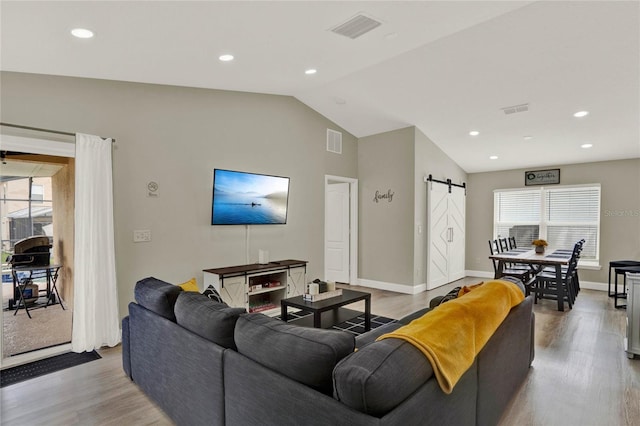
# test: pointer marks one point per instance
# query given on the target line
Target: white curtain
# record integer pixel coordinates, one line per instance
(95, 315)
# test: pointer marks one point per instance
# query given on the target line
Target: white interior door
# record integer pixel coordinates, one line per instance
(457, 241)
(439, 234)
(336, 256)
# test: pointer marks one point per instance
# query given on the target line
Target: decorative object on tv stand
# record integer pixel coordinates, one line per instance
(540, 245)
(263, 257)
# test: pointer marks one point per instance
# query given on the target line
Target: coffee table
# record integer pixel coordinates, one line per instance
(334, 312)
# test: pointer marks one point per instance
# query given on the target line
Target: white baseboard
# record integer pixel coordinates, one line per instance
(590, 285)
(479, 274)
(398, 288)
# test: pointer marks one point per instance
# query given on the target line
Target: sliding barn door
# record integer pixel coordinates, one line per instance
(456, 218)
(438, 228)
(446, 234)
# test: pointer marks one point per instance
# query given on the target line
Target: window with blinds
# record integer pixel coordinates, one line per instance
(517, 215)
(560, 215)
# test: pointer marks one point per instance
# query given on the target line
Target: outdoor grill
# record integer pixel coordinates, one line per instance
(32, 251)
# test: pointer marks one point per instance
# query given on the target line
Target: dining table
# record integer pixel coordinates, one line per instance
(556, 258)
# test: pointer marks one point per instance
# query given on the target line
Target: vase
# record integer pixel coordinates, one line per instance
(540, 249)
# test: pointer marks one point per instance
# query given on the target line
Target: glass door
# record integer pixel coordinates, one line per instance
(34, 206)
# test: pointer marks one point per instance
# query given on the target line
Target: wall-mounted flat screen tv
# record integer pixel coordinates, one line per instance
(241, 198)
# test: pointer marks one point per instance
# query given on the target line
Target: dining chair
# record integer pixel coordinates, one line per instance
(546, 286)
(512, 243)
(523, 275)
(504, 245)
(575, 254)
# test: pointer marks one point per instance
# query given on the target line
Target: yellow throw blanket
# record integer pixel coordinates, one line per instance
(452, 334)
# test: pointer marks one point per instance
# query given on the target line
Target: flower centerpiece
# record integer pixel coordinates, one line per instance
(540, 245)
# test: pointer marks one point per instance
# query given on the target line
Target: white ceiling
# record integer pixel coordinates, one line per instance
(445, 67)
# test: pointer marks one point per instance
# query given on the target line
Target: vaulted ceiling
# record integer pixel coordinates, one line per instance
(446, 67)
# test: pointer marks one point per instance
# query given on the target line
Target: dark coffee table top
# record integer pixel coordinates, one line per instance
(347, 297)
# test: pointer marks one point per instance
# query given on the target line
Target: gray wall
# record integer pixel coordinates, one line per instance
(619, 217)
(385, 246)
(176, 136)
(391, 249)
(429, 160)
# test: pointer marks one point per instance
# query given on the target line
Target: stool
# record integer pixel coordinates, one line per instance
(623, 270)
(619, 264)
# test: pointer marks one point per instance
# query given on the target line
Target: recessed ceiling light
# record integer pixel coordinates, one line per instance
(82, 33)
(493, 157)
(474, 133)
(528, 138)
(311, 71)
(586, 145)
(226, 58)
(581, 114)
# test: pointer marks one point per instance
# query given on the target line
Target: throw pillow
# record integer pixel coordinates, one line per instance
(451, 295)
(190, 285)
(466, 289)
(213, 294)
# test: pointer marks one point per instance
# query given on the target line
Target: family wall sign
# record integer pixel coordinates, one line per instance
(383, 196)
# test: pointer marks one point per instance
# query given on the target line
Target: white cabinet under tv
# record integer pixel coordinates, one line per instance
(258, 287)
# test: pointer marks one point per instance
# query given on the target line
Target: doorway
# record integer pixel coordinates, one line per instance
(37, 200)
(341, 229)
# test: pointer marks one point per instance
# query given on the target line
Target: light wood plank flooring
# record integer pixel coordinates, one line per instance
(580, 376)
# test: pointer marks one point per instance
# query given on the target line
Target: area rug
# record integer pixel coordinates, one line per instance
(20, 373)
(354, 325)
(47, 327)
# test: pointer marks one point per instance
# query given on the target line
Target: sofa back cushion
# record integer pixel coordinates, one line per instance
(306, 355)
(157, 296)
(381, 375)
(209, 319)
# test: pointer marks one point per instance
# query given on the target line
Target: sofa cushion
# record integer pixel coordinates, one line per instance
(209, 319)
(157, 296)
(378, 377)
(307, 355)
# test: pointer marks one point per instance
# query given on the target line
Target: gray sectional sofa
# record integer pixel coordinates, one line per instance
(205, 363)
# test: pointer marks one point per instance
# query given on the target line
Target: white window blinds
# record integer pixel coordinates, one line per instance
(573, 214)
(560, 215)
(517, 215)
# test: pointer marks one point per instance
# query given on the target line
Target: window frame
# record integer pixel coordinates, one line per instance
(544, 222)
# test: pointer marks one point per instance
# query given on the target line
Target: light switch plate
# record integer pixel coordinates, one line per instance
(142, 236)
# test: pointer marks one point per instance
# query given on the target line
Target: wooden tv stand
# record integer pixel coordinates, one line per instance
(258, 287)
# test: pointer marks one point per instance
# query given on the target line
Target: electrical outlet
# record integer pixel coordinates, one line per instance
(142, 236)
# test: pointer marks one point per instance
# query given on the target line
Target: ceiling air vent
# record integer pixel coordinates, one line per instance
(334, 141)
(356, 26)
(516, 108)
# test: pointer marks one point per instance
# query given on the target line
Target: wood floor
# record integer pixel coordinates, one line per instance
(580, 376)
